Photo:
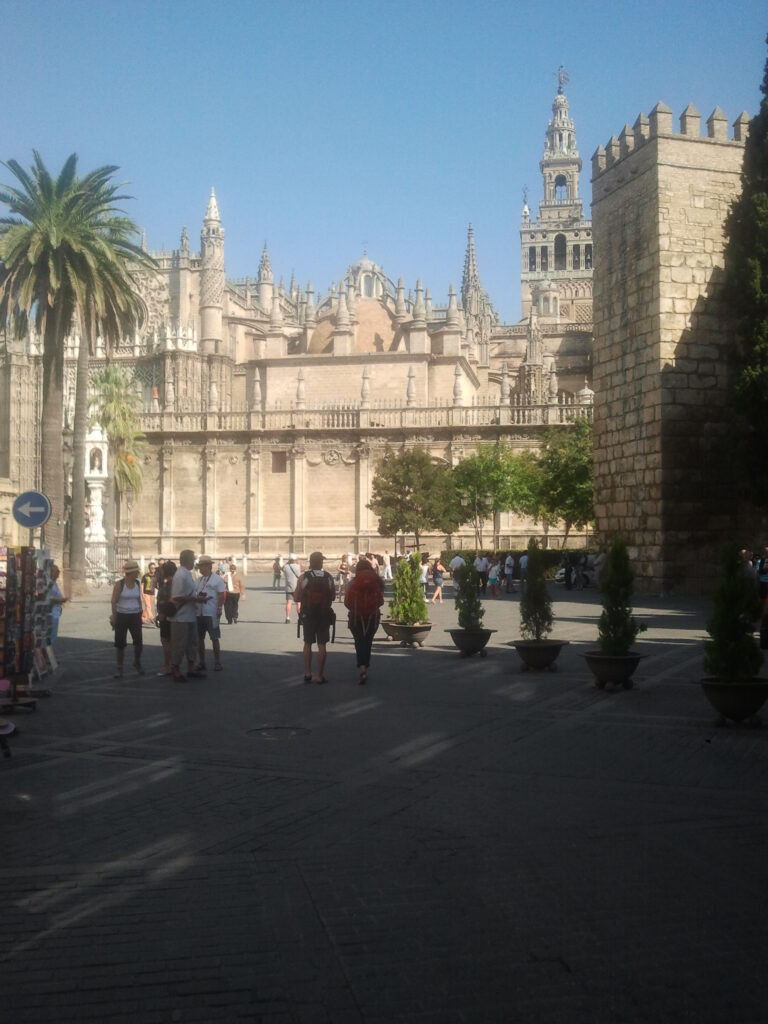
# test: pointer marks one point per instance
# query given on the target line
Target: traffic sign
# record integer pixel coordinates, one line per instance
(32, 509)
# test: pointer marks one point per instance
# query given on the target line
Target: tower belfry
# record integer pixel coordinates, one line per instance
(556, 248)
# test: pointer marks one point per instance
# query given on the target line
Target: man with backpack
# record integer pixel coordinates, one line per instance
(314, 595)
(364, 597)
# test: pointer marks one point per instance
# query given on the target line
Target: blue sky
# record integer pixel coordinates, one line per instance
(327, 126)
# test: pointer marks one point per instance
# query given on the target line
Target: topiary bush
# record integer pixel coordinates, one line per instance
(617, 626)
(408, 606)
(535, 602)
(733, 652)
(467, 600)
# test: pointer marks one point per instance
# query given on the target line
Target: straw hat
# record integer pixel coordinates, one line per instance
(131, 565)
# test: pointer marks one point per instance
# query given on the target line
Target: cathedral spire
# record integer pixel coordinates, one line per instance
(212, 213)
(470, 281)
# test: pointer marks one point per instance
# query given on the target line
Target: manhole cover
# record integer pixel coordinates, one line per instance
(278, 732)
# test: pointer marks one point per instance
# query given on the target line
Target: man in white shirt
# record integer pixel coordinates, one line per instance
(509, 572)
(481, 564)
(387, 566)
(184, 623)
(457, 562)
(523, 566)
(213, 589)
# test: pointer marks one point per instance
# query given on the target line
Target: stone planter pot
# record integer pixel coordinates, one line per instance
(613, 668)
(406, 636)
(471, 641)
(736, 700)
(537, 655)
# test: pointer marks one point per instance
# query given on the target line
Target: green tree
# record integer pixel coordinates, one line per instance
(495, 479)
(535, 602)
(116, 408)
(617, 627)
(55, 249)
(408, 605)
(746, 291)
(733, 653)
(412, 494)
(566, 488)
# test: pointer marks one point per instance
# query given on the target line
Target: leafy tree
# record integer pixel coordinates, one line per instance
(733, 653)
(566, 488)
(746, 291)
(63, 253)
(535, 602)
(466, 581)
(408, 605)
(617, 627)
(492, 480)
(116, 408)
(411, 494)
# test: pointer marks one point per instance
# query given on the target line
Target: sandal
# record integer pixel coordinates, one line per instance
(307, 679)
(363, 678)
(321, 681)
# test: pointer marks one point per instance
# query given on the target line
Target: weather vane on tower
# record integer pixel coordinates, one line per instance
(562, 79)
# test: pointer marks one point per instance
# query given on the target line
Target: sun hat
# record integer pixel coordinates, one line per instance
(131, 565)
(292, 557)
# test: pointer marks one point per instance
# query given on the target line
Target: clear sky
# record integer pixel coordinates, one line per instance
(332, 125)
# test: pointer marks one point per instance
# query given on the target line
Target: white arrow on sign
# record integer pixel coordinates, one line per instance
(28, 508)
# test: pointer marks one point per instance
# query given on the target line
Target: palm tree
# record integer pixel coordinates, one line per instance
(116, 407)
(65, 252)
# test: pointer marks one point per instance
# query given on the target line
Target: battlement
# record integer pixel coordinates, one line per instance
(659, 124)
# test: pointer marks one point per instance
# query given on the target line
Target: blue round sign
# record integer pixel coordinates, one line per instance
(32, 509)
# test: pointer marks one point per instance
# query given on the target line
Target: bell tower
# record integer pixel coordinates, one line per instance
(557, 247)
(212, 279)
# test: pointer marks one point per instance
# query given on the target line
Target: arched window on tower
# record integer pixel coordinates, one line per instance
(545, 304)
(587, 257)
(559, 252)
(561, 188)
(544, 259)
(577, 257)
(532, 258)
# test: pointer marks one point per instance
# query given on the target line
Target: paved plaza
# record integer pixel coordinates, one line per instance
(457, 842)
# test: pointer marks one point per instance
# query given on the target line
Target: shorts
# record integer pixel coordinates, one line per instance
(128, 623)
(316, 630)
(207, 624)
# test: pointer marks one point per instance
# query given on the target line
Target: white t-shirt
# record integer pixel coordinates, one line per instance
(481, 563)
(509, 565)
(184, 585)
(456, 563)
(424, 570)
(212, 585)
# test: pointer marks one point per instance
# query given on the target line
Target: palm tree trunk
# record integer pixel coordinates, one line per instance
(51, 453)
(77, 510)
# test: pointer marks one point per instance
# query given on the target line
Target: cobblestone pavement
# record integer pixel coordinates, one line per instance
(457, 842)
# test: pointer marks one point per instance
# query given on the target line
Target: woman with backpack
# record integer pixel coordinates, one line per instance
(364, 596)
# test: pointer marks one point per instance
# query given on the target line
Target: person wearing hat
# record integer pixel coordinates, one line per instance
(314, 595)
(127, 608)
(292, 574)
(212, 588)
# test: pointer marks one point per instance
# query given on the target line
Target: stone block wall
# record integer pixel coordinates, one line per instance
(660, 199)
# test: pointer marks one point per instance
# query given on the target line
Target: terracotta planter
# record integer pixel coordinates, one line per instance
(538, 655)
(613, 668)
(406, 636)
(471, 641)
(736, 700)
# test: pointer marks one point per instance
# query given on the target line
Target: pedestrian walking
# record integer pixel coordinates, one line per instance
(148, 594)
(509, 572)
(184, 639)
(438, 569)
(314, 595)
(214, 590)
(523, 566)
(56, 600)
(424, 574)
(481, 564)
(494, 574)
(235, 594)
(292, 573)
(166, 610)
(364, 597)
(127, 609)
(277, 572)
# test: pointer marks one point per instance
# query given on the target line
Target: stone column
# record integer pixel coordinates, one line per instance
(363, 484)
(298, 476)
(209, 493)
(252, 488)
(166, 494)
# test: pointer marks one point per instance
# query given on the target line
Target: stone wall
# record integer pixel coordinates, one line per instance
(660, 199)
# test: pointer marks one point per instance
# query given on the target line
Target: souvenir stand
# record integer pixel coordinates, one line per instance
(25, 625)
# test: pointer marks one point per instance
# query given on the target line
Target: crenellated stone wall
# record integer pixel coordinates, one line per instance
(660, 199)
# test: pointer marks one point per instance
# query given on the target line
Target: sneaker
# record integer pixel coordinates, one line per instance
(287, 619)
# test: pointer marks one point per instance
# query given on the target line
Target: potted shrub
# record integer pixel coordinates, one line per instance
(408, 620)
(732, 658)
(535, 649)
(617, 627)
(471, 637)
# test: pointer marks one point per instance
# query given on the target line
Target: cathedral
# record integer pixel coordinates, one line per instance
(266, 407)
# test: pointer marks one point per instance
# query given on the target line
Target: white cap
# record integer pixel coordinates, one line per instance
(291, 556)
